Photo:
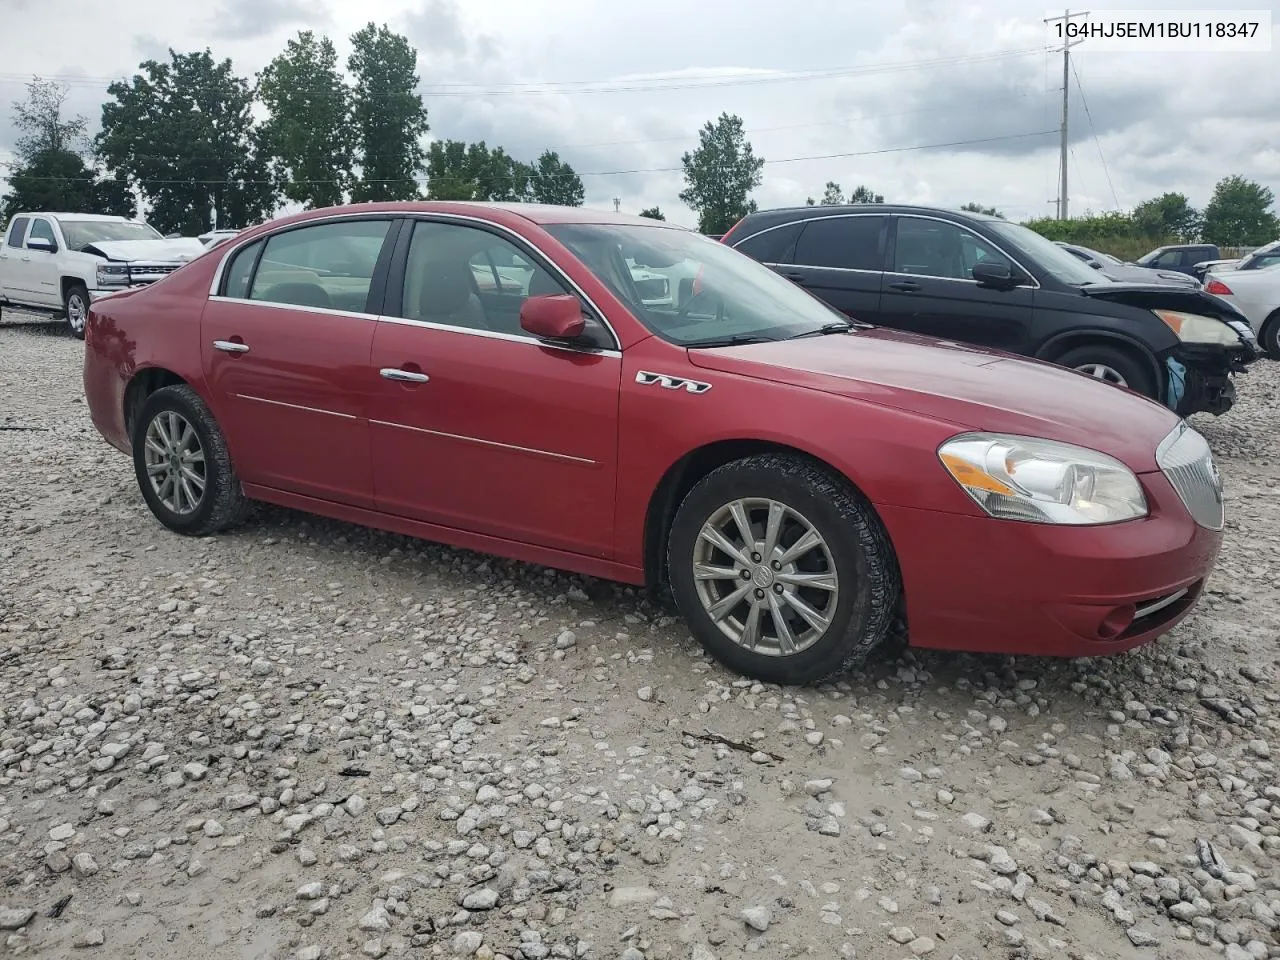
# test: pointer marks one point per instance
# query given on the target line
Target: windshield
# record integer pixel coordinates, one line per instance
(1045, 254)
(81, 233)
(717, 295)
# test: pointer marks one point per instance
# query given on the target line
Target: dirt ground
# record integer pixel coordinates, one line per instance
(308, 740)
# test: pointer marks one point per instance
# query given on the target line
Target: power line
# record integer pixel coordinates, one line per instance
(657, 84)
(1094, 130)
(603, 173)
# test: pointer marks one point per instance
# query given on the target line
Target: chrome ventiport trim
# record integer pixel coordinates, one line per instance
(648, 378)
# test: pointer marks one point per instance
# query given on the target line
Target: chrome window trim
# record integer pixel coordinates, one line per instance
(417, 215)
(919, 216)
(498, 335)
(487, 443)
(274, 305)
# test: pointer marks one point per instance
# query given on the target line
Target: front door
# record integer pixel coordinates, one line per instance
(41, 266)
(929, 288)
(477, 425)
(286, 351)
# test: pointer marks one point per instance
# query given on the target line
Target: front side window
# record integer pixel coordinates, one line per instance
(41, 230)
(1038, 251)
(849, 243)
(934, 248)
(329, 265)
(721, 296)
(473, 279)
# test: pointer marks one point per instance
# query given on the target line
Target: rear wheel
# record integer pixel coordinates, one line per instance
(183, 467)
(1269, 336)
(1111, 364)
(782, 571)
(76, 303)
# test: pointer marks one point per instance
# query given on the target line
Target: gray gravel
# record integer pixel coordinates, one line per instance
(309, 740)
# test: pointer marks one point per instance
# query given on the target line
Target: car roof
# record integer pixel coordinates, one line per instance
(785, 213)
(508, 214)
(75, 216)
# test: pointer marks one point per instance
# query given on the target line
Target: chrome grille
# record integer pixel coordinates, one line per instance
(1187, 462)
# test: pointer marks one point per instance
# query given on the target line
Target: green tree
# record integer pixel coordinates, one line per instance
(457, 170)
(809, 202)
(551, 180)
(308, 133)
(52, 173)
(720, 175)
(653, 213)
(1240, 212)
(865, 195)
(1168, 217)
(833, 196)
(389, 116)
(979, 208)
(182, 133)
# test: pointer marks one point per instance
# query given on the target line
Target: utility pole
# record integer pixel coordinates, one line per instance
(1066, 97)
(617, 204)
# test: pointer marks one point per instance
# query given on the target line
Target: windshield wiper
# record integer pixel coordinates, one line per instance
(736, 340)
(838, 326)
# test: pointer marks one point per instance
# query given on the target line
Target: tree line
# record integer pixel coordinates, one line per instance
(181, 136)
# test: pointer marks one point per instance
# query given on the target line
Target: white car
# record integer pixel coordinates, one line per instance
(1256, 294)
(214, 237)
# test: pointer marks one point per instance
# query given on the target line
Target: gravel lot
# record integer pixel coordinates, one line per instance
(308, 740)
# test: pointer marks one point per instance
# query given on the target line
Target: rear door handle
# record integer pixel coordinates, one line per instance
(228, 346)
(405, 376)
(906, 286)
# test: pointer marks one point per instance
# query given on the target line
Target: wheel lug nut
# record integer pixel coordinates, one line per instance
(755, 558)
(776, 565)
(759, 594)
(777, 588)
(745, 574)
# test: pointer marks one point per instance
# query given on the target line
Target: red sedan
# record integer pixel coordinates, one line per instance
(803, 485)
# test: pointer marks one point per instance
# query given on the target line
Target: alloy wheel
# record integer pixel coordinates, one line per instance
(77, 313)
(175, 462)
(1103, 372)
(765, 576)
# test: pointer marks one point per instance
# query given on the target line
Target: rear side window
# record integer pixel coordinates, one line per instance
(849, 243)
(776, 245)
(328, 266)
(17, 231)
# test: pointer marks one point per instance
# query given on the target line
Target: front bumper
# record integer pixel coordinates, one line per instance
(1000, 586)
(1200, 377)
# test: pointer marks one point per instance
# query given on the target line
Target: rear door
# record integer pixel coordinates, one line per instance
(286, 348)
(13, 282)
(839, 258)
(930, 289)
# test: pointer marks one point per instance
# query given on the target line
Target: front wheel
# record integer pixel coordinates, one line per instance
(783, 572)
(183, 467)
(77, 307)
(1269, 336)
(1111, 365)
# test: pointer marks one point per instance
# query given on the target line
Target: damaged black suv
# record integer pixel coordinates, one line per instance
(980, 279)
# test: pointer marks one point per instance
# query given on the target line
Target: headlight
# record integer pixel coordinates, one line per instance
(113, 274)
(1193, 328)
(1042, 481)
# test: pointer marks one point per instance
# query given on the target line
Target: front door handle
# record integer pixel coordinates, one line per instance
(405, 376)
(907, 286)
(228, 346)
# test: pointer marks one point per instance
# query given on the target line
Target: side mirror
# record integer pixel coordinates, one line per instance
(553, 317)
(992, 274)
(40, 243)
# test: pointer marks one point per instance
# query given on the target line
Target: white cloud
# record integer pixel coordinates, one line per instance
(1163, 121)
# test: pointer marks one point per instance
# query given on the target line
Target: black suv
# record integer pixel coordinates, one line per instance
(983, 280)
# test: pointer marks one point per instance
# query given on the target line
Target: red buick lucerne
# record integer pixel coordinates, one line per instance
(626, 399)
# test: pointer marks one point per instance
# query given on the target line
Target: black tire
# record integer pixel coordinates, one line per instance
(1269, 336)
(222, 503)
(864, 607)
(1137, 376)
(76, 304)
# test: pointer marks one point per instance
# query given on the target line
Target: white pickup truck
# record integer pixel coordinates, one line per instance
(62, 262)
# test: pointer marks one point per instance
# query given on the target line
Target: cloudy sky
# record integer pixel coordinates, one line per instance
(827, 89)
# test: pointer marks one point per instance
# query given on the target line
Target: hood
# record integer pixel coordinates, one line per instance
(1129, 273)
(1164, 296)
(972, 388)
(177, 250)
